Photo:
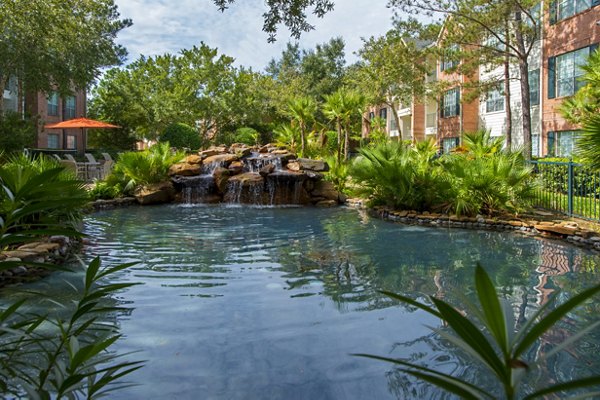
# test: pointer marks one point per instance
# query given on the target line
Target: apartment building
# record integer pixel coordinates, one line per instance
(571, 31)
(49, 108)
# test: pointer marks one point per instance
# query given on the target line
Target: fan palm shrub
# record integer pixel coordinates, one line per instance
(488, 333)
(484, 179)
(399, 175)
(38, 194)
(146, 167)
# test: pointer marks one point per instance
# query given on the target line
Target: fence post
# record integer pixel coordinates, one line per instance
(570, 186)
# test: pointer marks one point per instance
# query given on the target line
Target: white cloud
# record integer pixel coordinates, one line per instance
(162, 26)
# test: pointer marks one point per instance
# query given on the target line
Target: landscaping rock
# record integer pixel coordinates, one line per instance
(158, 193)
(185, 169)
(221, 176)
(556, 229)
(326, 190)
(327, 203)
(293, 166)
(193, 159)
(307, 164)
(267, 169)
(209, 153)
(223, 159)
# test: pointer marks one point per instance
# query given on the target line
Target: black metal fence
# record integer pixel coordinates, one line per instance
(569, 188)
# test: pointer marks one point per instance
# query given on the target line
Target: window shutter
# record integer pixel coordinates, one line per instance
(457, 101)
(554, 12)
(441, 107)
(552, 77)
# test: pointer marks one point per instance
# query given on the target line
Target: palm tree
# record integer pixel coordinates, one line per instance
(340, 107)
(302, 111)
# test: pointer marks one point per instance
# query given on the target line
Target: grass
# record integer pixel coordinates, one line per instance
(583, 206)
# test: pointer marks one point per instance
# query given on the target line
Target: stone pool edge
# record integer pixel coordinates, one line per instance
(568, 231)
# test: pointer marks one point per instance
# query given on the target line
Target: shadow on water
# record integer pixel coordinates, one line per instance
(258, 302)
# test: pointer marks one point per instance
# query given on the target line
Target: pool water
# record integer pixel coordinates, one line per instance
(271, 303)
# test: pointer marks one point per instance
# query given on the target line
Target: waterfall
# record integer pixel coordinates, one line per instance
(196, 189)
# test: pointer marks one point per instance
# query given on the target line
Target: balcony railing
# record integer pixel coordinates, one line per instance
(431, 121)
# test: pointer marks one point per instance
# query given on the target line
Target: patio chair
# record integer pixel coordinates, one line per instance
(69, 166)
(107, 168)
(81, 168)
(107, 157)
(93, 167)
(57, 157)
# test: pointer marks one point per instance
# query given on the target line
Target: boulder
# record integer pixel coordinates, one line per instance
(157, 193)
(223, 159)
(246, 188)
(221, 176)
(208, 153)
(185, 169)
(267, 169)
(247, 178)
(326, 190)
(193, 159)
(327, 203)
(236, 167)
(556, 229)
(293, 166)
(264, 149)
(312, 165)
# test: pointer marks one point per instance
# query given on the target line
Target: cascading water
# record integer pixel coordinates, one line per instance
(196, 189)
(255, 163)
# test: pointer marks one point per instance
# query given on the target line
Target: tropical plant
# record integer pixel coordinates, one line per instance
(338, 173)
(302, 111)
(102, 190)
(143, 167)
(247, 135)
(583, 107)
(37, 194)
(399, 175)
(340, 107)
(500, 346)
(289, 136)
(47, 356)
(181, 136)
(484, 179)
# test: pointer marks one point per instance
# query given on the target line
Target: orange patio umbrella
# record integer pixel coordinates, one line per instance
(82, 123)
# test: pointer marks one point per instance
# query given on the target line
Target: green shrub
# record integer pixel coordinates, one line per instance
(181, 136)
(105, 191)
(143, 167)
(400, 176)
(486, 179)
(247, 135)
(16, 133)
(338, 173)
(41, 184)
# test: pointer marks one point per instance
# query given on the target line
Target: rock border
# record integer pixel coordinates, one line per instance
(55, 251)
(568, 231)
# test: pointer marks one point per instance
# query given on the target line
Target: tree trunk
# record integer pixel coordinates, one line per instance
(302, 139)
(397, 119)
(346, 142)
(524, 78)
(507, 97)
(3, 81)
(20, 94)
(339, 139)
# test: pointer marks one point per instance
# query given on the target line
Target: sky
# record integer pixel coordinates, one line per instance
(167, 26)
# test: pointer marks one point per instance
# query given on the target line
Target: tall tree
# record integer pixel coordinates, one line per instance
(469, 22)
(302, 111)
(340, 107)
(393, 67)
(58, 44)
(291, 13)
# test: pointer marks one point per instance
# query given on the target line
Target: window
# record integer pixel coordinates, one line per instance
(53, 104)
(451, 103)
(449, 60)
(535, 145)
(371, 116)
(450, 143)
(565, 143)
(393, 125)
(564, 72)
(383, 113)
(53, 141)
(494, 101)
(71, 142)
(534, 87)
(70, 107)
(562, 9)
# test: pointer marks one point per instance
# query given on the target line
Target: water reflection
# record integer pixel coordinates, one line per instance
(259, 303)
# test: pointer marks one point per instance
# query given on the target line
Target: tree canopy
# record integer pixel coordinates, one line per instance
(58, 44)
